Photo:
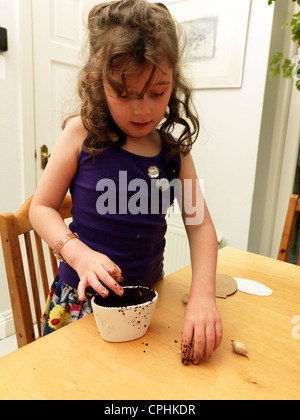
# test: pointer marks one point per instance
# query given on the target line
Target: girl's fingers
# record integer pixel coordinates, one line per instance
(210, 341)
(200, 339)
(186, 345)
(82, 285)
(219, 334)
(94, 283)
(114, 271)
(199, 345)
(110, 282)
(96, 280)
(97, 285)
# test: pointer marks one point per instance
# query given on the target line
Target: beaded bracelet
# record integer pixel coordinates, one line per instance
(61, 243)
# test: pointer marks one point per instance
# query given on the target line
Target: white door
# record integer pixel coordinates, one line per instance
(59, 34)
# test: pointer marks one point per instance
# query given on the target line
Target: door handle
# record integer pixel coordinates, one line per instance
(44, 156)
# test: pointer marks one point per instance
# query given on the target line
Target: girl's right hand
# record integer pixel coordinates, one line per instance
(97, 270)
(93, 268)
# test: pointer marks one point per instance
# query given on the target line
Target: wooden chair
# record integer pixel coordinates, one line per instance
(12, 226)
(289, 228)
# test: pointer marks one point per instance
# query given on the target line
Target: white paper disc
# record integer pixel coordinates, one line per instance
(252, 287)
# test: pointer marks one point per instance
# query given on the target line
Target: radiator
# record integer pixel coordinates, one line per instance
(177, 251)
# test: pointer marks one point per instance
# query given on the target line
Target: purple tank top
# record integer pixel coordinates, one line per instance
(119, 209)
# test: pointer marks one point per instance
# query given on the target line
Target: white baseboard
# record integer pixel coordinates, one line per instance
(7, 327)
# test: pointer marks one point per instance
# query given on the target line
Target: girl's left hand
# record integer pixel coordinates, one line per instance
(202, 330)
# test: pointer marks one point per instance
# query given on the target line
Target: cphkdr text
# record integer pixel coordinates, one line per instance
(171, 409)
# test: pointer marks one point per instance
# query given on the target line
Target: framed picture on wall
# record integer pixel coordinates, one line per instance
(216, 34)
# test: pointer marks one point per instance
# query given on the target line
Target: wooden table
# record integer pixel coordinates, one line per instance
(75, 363)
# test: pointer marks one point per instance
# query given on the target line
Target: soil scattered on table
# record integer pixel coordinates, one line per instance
(132, 296)
(146, 344)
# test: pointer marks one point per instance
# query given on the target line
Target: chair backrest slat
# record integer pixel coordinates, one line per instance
(42, 264)
(12, 226)
(33, 279)
(293, 212)
(16, 280)
(54, 265)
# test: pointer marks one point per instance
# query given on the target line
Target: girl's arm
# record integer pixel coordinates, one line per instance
(202, 321)
(46, 220)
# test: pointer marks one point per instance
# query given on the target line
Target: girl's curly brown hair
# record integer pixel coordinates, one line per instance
(135, 31)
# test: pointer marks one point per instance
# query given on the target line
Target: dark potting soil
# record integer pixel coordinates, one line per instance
(132, 296)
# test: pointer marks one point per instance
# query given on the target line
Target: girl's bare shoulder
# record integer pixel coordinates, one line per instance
(75, 130)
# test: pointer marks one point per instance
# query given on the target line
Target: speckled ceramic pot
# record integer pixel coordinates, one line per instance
(124, 323)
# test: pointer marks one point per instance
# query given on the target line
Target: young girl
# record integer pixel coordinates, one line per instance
(131, 84)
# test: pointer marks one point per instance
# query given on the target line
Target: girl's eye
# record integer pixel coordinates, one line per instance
(157, 94)
(152, 94)
(125, 97)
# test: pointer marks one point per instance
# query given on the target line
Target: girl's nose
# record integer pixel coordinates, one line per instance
(141, 107)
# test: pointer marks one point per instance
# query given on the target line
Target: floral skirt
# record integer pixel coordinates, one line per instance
(63, 307)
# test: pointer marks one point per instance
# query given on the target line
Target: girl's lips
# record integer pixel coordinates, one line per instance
(140, 124)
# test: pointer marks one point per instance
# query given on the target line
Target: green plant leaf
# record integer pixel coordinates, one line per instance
(276, 58)
(287, 69)
(274, 71)
(274, 65)
(295, 28)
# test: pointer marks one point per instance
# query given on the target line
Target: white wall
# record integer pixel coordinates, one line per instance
(225, 154)
(11, 127)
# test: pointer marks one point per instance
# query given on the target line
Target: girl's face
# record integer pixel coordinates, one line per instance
(138, 117)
